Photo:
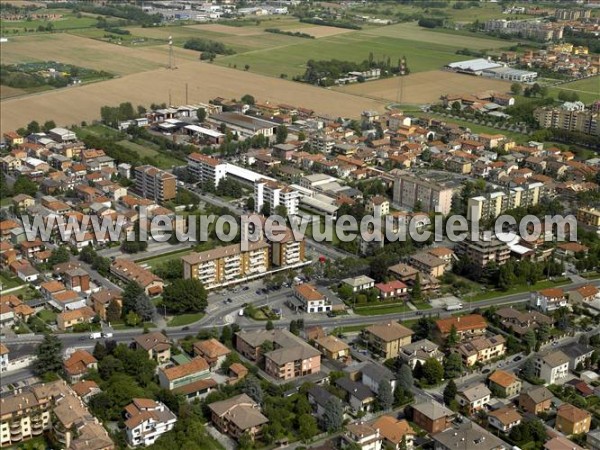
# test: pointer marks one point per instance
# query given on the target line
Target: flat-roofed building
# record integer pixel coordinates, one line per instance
(155, 184)
(484, 251)
(206, 169)
(410, 191)
(274, 194)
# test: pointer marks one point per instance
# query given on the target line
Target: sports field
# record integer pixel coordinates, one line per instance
(424, 87)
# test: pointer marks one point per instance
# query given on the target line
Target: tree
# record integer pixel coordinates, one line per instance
(247, 67)
(100, 351)
(453, 365)
(456, 106)
(59, 255)
(266, 347)
(144, 307)
(248, 99)
(24, 185)
(185, 296)
(528, 370)
(333, 416)
(130, 294)
(253, 389)
(415, 293)
(452, 338)
(33, 127)
(269, 325)
(49, 356)
(433, 371)
(450, 392)
(113, 311)
(281, 134)
(201, 114)
(385, 396)
(530, 340)
(48, 125)
(307, 427)
(132, 319)
(424, 328)
(405, 377)
(516, 88)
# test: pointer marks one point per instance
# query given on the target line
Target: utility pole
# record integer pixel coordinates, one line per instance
(171, 59)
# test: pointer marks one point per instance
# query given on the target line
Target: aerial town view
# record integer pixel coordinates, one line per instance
(300, 224)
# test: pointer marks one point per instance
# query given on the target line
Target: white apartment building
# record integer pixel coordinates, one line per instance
(274, 194)
(206, 169)
(146, 421)
(551, 366)
(410, 191)
(491, 205)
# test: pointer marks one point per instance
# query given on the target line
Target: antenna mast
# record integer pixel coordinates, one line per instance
(171, 59)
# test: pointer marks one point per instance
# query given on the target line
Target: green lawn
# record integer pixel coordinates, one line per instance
(158, 260)
(352, 46)
(96, 130)
(379, 310)
(47, 315)
(517, 290)
(185, 319)
(8, 281)
(149, 153)
(588, 89)
(518, 137)
(348, 329)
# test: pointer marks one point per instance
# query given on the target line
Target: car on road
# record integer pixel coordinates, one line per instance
(330, 314)
(107, 334)
(245, 288)
(185, 328)
(518, 358)
(486, 370)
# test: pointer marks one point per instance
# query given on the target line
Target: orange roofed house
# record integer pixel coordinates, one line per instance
(78, 365)
(505, 382)
(466, 326)
(212, 351)
(572, 420)
(129, 271)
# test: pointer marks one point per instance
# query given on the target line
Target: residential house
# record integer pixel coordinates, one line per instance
(237, 372)
(397, 434)
(572, 420)
(420, 351)
(432, 416)
(467, 435)
(332, 347)
(190, 379)
(428, 263)
(466, 326)
(505, 382)
(359, 396)
(156, 344)
(592, 440)
(391, 289)
(386, 339)
(318, 397)
(69, 318)
(79, 364)
(473, 397)
(86, 389)
(504, 419)
(4, 352)
(359, 283)
(128, 270)
(568, 249)
(374, 374)
(361, 436)
(562, 443)
(549, 299)
(551, 366)
(146, 420)
(482, 349)
(212, 351)
(535, 400)
(101, 300)
(583, 294)
(577, 354)
(519, 322)
(237, 416)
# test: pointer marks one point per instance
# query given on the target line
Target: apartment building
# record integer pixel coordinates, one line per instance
(288, 250)
(589, 217)
(533, 29)
(490, 206)
(275, 194)
(52, 408)
(411, 191)
(551, 366)
(227, 265)
(573, 14)
(505, 382)
(572, 420)
(568, 118)
(4, 352)
(206, 169)
(129, 271)
(483, 251)
(155, 184)
(482, 349)
(237, 416)
(387, 339)
(290, 358)
(147, 420)
(519, 322)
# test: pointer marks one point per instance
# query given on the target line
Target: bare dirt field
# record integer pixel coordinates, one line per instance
(320, 31)
(424, 87)
(226, 29)
(7, 91)
(205, 81)
(89, 53)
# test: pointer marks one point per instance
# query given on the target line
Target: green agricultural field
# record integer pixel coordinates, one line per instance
(152, 155)
(69, 21)
(355, 46)
(119, 39)
(588, 89)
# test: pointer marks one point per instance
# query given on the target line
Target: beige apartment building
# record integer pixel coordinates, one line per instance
(432, 196)
(582, 120)
(223, 265)
(482, 252)
(491, 205)
(589, 217)
(155, 184)
(482, 349)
